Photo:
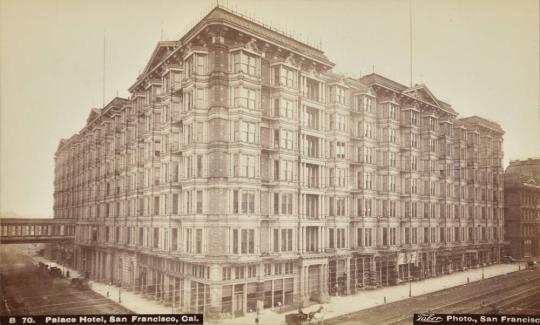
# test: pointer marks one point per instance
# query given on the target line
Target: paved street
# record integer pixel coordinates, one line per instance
(29, 290)
(504, 290)
(517, 293)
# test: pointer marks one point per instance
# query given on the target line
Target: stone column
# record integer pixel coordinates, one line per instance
(305, 280)
(174, 294)
(167, 291)
(105, 270)
(103, 266)
(302, 247)
(348, 276)
(323, 240)
(256, 238)
(319, 239)
(164, 287)
(157, 288)
(187, 295)
(324, 289)
(110, 267)
(301, 285)
(214, 309)
(434, 264)
(321, 281)
(98, 263)
(95, 264)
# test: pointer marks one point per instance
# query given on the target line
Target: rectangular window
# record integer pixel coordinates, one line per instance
(248, 202)
(407, 236)
(175, 204)
(289, 240)
(244, 242)
(367, 237)
(198, 249)
(276, 203)
(267, 269)
(251, 241)
(189, 240)
(156, 237)
(341, 238)
(199, 201)
(226, 273)
(199, 166)
(156, 205)
(276, 240)
(239, 272)
(340, 150)
(246, 63)
(252, 271)
(174, 239)
(235, 201)
(235, 241)
(283, 240)
(247, 132)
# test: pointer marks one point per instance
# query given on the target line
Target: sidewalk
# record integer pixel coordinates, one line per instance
(336, 307)
(366, 299)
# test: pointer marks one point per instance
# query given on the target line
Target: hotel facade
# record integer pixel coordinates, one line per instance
(243, 172)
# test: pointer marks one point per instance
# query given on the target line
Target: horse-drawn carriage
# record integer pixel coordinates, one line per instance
(301, 318)
(81, 283)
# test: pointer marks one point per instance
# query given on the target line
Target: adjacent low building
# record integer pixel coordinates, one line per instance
(243, 171)
(522, 208)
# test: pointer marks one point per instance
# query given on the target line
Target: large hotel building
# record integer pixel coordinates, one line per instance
(242, 171)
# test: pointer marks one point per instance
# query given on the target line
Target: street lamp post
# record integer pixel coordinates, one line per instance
(173, 297)
(84, 265)
(483, 276)
(119, 282)
(409, 273)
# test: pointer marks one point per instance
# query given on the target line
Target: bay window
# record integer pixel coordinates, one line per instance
(246, 98)
(246, 63)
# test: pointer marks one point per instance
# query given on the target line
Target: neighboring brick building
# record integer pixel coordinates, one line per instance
(243, 169)
(522, 208)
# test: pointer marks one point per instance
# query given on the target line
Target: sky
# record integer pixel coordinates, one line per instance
(481, 56)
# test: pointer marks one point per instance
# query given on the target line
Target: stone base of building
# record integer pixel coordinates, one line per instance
(162, 280)
(213, 314)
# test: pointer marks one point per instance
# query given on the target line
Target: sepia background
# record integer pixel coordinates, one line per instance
(480, 56)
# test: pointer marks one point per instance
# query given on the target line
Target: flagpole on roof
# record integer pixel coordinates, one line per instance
(410, 44)
(104, 76)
